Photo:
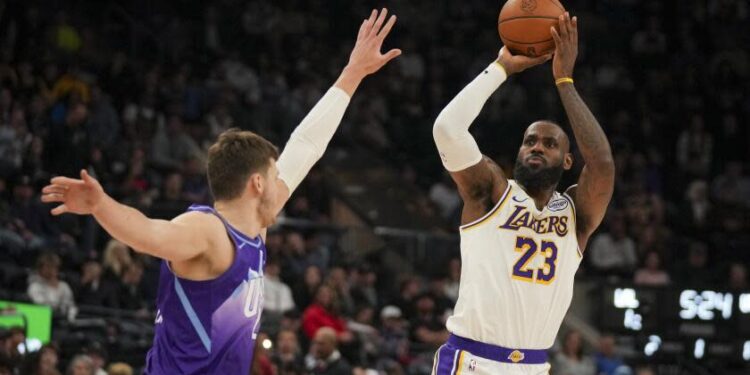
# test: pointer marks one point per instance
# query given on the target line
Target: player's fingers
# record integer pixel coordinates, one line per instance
(65, 181)
(555, 35)
(49, 189)
(387, 28)
(369, 22)
(392, 54)
(61, 209)
(86, 177)
(53, 197)
(379, 22)
(563, 27)
(574, 29)
(362, 29)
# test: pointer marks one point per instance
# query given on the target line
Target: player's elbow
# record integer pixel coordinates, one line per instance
(442, 131)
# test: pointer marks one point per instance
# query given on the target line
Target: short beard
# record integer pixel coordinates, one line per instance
(537, 180)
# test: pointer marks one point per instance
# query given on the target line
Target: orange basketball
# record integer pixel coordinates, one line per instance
(524, 26)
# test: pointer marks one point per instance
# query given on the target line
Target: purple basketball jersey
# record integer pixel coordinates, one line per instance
(209, 327)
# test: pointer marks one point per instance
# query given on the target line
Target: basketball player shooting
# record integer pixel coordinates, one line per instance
(521, 240)
(211, 282)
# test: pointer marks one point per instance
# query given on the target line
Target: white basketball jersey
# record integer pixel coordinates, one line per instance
(518, 266)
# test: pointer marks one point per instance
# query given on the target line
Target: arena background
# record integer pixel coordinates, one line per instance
(133, 91)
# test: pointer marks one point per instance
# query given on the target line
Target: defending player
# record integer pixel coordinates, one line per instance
(521, 240)
(210, 288)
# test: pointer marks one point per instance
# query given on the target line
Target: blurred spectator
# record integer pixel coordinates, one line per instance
(571, 360)
(288, 356)
(32, 220)
(43, 362)
(394, 334)
(651, 273)
(172, 146)
(427, 328)
(732, 187)
(170, 202)
(323, 313)
(607, 362)
(613, 251)
(10, 340)
(117, 257)
(92, 289)
(132, 289)
(45, 287)
(694, 271)
(98, 356)
(409, 290)
(277, 296)
(444, 194)
(339, 282)
(120, 368)
(364, 290)
(645, 370)
(81, 365)
(694, 148)
(738, 277)
(304, 292)
(324, 358)
(697, 212)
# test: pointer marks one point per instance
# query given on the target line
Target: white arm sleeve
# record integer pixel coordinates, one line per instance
(457, 147)
(309, 140)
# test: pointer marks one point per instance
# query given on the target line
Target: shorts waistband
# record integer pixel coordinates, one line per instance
(499, 353)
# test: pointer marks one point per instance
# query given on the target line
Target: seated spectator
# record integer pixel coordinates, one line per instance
(427, 327)
(45, 287)
(394, 335)
(170, 203)
(131, 293)
(697, 211)
(117, 257)
(304, 292)
(738, 277)
(10, 340)
(607, 362)
(277, 296)
(651, 273)
(324, 357)
(92, 289)
(613, 251)
(694, 271)
(732, 187)
(571, 360)
(324, 313)
(81, 365)
(288, 356)
(43, 362)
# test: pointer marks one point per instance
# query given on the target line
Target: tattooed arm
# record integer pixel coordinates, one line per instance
(597, 179)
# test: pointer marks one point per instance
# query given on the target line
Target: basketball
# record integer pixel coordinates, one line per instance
(524, 26)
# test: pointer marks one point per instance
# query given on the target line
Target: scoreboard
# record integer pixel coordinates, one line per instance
(700, 323)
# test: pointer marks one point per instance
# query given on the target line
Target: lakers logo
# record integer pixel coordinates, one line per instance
(516, 356)
(528, 6)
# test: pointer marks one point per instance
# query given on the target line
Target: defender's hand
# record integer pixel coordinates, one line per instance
(518, 63)
(566, 46)
(80, 197)
(366, 57)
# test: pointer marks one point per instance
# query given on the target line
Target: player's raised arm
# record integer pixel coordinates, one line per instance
(309, 140)
(181, 239)
(597, 179)
(478, 178)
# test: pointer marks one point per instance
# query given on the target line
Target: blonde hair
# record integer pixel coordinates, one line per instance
(117, 257)
(120, 368)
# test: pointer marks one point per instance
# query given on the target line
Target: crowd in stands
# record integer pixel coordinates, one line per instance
(134, 92)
